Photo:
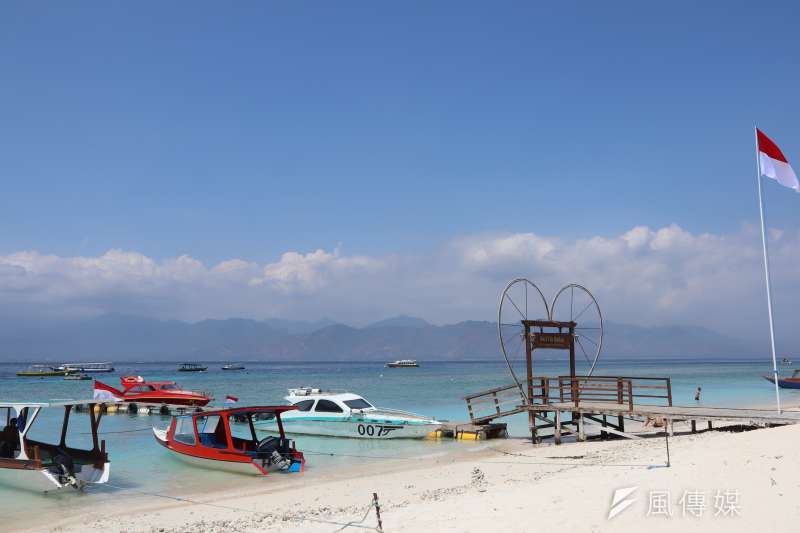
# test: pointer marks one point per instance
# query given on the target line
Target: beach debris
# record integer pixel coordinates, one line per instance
(479, 479)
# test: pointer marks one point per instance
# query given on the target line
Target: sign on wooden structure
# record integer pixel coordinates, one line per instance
(558, 341)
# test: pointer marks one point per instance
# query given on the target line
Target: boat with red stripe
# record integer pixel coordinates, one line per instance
(226, 440)
(137, 389)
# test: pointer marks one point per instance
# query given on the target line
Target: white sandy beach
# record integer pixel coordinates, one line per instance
(749, 481)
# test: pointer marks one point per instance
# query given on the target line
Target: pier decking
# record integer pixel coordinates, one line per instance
(566, 404)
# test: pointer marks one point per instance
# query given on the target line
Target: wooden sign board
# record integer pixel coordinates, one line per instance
(558, 341)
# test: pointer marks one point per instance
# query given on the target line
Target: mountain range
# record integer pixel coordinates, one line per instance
(122, 337)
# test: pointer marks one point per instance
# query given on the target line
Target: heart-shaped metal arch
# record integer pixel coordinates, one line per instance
(514, 307)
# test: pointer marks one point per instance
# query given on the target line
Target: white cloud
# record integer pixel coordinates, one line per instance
(645, 276)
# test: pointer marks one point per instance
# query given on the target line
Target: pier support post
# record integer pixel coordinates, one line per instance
(604, 434)
(581, 433)
(694, 426)
(557, 429)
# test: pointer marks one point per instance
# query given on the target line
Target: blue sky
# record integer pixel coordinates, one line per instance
(256, 128)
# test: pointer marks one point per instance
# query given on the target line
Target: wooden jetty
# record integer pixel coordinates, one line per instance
(569, 404)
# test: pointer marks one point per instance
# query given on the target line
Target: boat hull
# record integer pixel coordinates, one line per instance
(41, 480)
(232, 467)
(785, 383)
(195, 401)
(352, 428)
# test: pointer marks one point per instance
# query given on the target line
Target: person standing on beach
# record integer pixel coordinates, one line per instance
(697, 394)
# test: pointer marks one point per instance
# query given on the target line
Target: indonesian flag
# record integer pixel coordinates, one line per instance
(106, 393)
(231, 399)
(773, 164)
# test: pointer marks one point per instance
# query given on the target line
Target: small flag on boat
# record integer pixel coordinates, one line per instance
(773, 164)
(106, 393)
(231, 399)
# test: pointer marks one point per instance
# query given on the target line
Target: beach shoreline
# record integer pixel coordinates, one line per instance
(500, 484)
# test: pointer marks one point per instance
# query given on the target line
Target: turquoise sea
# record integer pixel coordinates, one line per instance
(436, 389)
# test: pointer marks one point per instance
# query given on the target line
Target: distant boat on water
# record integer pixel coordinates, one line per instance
(192, 367)
(233, 366)
(41, 371)
(403, 363)
(77, 377)
(87, 367)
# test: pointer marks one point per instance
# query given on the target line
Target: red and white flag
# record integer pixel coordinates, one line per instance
(231, 399)
(106, 393)
(773, 164)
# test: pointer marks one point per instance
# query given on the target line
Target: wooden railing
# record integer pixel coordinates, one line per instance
(579, 390)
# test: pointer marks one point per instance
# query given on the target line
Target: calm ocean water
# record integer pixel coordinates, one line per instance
(435, 389)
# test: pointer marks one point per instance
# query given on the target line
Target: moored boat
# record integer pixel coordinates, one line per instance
(41, 371)
(192, 367)
(136, 389)
(344, 414)
(77, 377)
(37, 465)
(403, 363)
(233, 366)
(227, 440)
(87, 367)
(787, 383)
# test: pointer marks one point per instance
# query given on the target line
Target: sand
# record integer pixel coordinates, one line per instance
(749, 481)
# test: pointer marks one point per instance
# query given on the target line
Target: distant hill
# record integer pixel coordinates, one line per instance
(123, 337)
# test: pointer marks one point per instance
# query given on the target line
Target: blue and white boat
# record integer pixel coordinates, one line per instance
(344, 414)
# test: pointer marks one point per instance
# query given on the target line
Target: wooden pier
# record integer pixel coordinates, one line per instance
(571, 404)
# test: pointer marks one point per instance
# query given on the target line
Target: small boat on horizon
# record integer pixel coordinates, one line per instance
(403, 363)
(192, 367)
(87, 367)
(77, 377)
(226, 440)
(41, 371)
(344, 414)
(787, 383)
(233, 366)
(43, 466)
(136, 389)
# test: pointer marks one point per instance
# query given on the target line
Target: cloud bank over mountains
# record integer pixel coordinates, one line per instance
(644, 276)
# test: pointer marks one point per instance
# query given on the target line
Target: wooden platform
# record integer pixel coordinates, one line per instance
(675, 413)
(565, 404)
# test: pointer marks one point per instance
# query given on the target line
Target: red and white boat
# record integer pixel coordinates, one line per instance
(136, 389)
(226, 440)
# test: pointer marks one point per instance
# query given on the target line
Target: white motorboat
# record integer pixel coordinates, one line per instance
(403, 363)
(87, 367)
(344, 414)
(35, 465)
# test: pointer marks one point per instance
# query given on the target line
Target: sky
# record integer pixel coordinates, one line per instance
(357, 160)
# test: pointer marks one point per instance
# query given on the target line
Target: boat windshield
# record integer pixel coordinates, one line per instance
(169, 386)
(359, 403)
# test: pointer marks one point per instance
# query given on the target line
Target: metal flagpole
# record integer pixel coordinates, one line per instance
(766, 271)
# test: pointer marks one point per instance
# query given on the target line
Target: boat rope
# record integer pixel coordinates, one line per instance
(548, 463)
(331, 454)
(359, 524)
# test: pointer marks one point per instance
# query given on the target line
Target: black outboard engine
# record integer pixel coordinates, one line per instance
(63, 468)
(269, 449)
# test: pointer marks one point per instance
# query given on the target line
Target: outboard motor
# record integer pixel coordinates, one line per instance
(63, 468)
(269, 448)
